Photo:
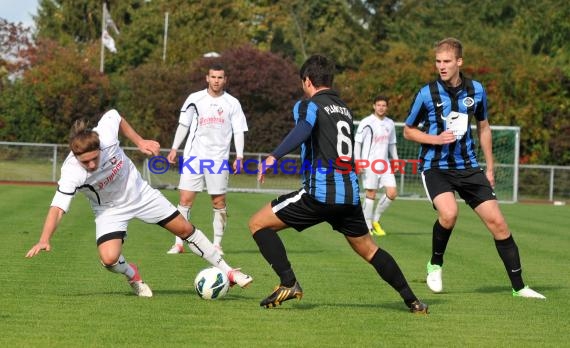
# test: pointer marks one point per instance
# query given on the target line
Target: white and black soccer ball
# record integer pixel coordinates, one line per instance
(211, 283)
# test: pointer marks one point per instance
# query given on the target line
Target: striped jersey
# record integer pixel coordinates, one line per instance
(437, 108)
(329, 150)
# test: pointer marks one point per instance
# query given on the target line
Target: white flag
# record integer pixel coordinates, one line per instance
(108, 20)
(109, 42)
(105, 36)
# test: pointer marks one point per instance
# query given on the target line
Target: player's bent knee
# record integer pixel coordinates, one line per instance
(256, 223)
(369, 253)
(109, 263)
(391, 193)
(499, 229)
(448, 218)
(253, 225)
(364, 246)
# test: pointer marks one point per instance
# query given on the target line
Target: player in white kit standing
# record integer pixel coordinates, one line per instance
(376, 138)
(209, 117)
(99, 168)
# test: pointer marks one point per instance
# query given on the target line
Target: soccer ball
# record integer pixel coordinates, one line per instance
(211, 283)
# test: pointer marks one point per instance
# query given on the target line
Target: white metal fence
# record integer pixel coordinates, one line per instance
(33, 163)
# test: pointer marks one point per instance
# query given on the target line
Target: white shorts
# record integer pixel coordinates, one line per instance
(216, 183)
(152, 208)
(374, 181)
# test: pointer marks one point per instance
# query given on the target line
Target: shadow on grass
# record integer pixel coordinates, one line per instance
(506, 288)
(396, 306)
(293, 305)
(404, 234)
(256, 251)
(232, 295)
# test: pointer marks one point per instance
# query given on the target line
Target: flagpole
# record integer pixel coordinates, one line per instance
(102, 66)
(165, 36)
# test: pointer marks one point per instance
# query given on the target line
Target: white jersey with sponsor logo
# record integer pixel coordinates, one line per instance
(115, 183)
(212, 122)
(375, 135)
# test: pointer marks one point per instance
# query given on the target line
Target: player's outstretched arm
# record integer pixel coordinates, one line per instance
(148, 147)
(53, 218)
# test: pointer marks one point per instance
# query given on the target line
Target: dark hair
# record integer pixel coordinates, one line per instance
(381, 97)
(319, 69)
(83, 139)
(216, 67)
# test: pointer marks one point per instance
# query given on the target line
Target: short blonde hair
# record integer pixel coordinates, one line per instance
(450, 43)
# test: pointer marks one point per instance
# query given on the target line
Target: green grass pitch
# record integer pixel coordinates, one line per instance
(64, 298)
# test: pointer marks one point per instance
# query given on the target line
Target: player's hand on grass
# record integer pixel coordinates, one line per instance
(37, 248)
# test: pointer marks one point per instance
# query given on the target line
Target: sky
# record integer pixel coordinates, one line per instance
(18, 10)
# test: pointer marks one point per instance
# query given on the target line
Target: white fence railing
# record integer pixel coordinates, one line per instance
(35, 162)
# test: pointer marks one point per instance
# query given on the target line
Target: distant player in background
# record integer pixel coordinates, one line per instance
(324, 131)
(374, 139)
(448, 161)
(98, 167)
(209, 117)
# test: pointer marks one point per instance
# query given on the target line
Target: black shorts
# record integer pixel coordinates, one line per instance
(471, 184)
(300, 210)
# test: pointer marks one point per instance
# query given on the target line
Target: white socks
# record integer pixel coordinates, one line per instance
(121, 266)
(371, 214)
(367, 209)
(219, 224)
(383, 204)
(185, 211)
(201, 246)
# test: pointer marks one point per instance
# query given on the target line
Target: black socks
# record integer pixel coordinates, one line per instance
(509, 253)
(273, 250)
(388, 269)
(439, 240)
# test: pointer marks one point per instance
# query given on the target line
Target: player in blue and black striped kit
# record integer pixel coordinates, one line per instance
(330, 192)
(439, 120)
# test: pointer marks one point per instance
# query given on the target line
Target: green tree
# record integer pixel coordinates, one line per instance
(20, 114)
(508, 46)
(323, 26)
(194, 28)
(398, 74)
(519, 50)
(375, 16)
(545, 27)
(62, 87)
(79, 21)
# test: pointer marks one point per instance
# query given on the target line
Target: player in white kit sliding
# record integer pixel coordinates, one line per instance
(209, 117)
(98, 167)
(376, 138)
